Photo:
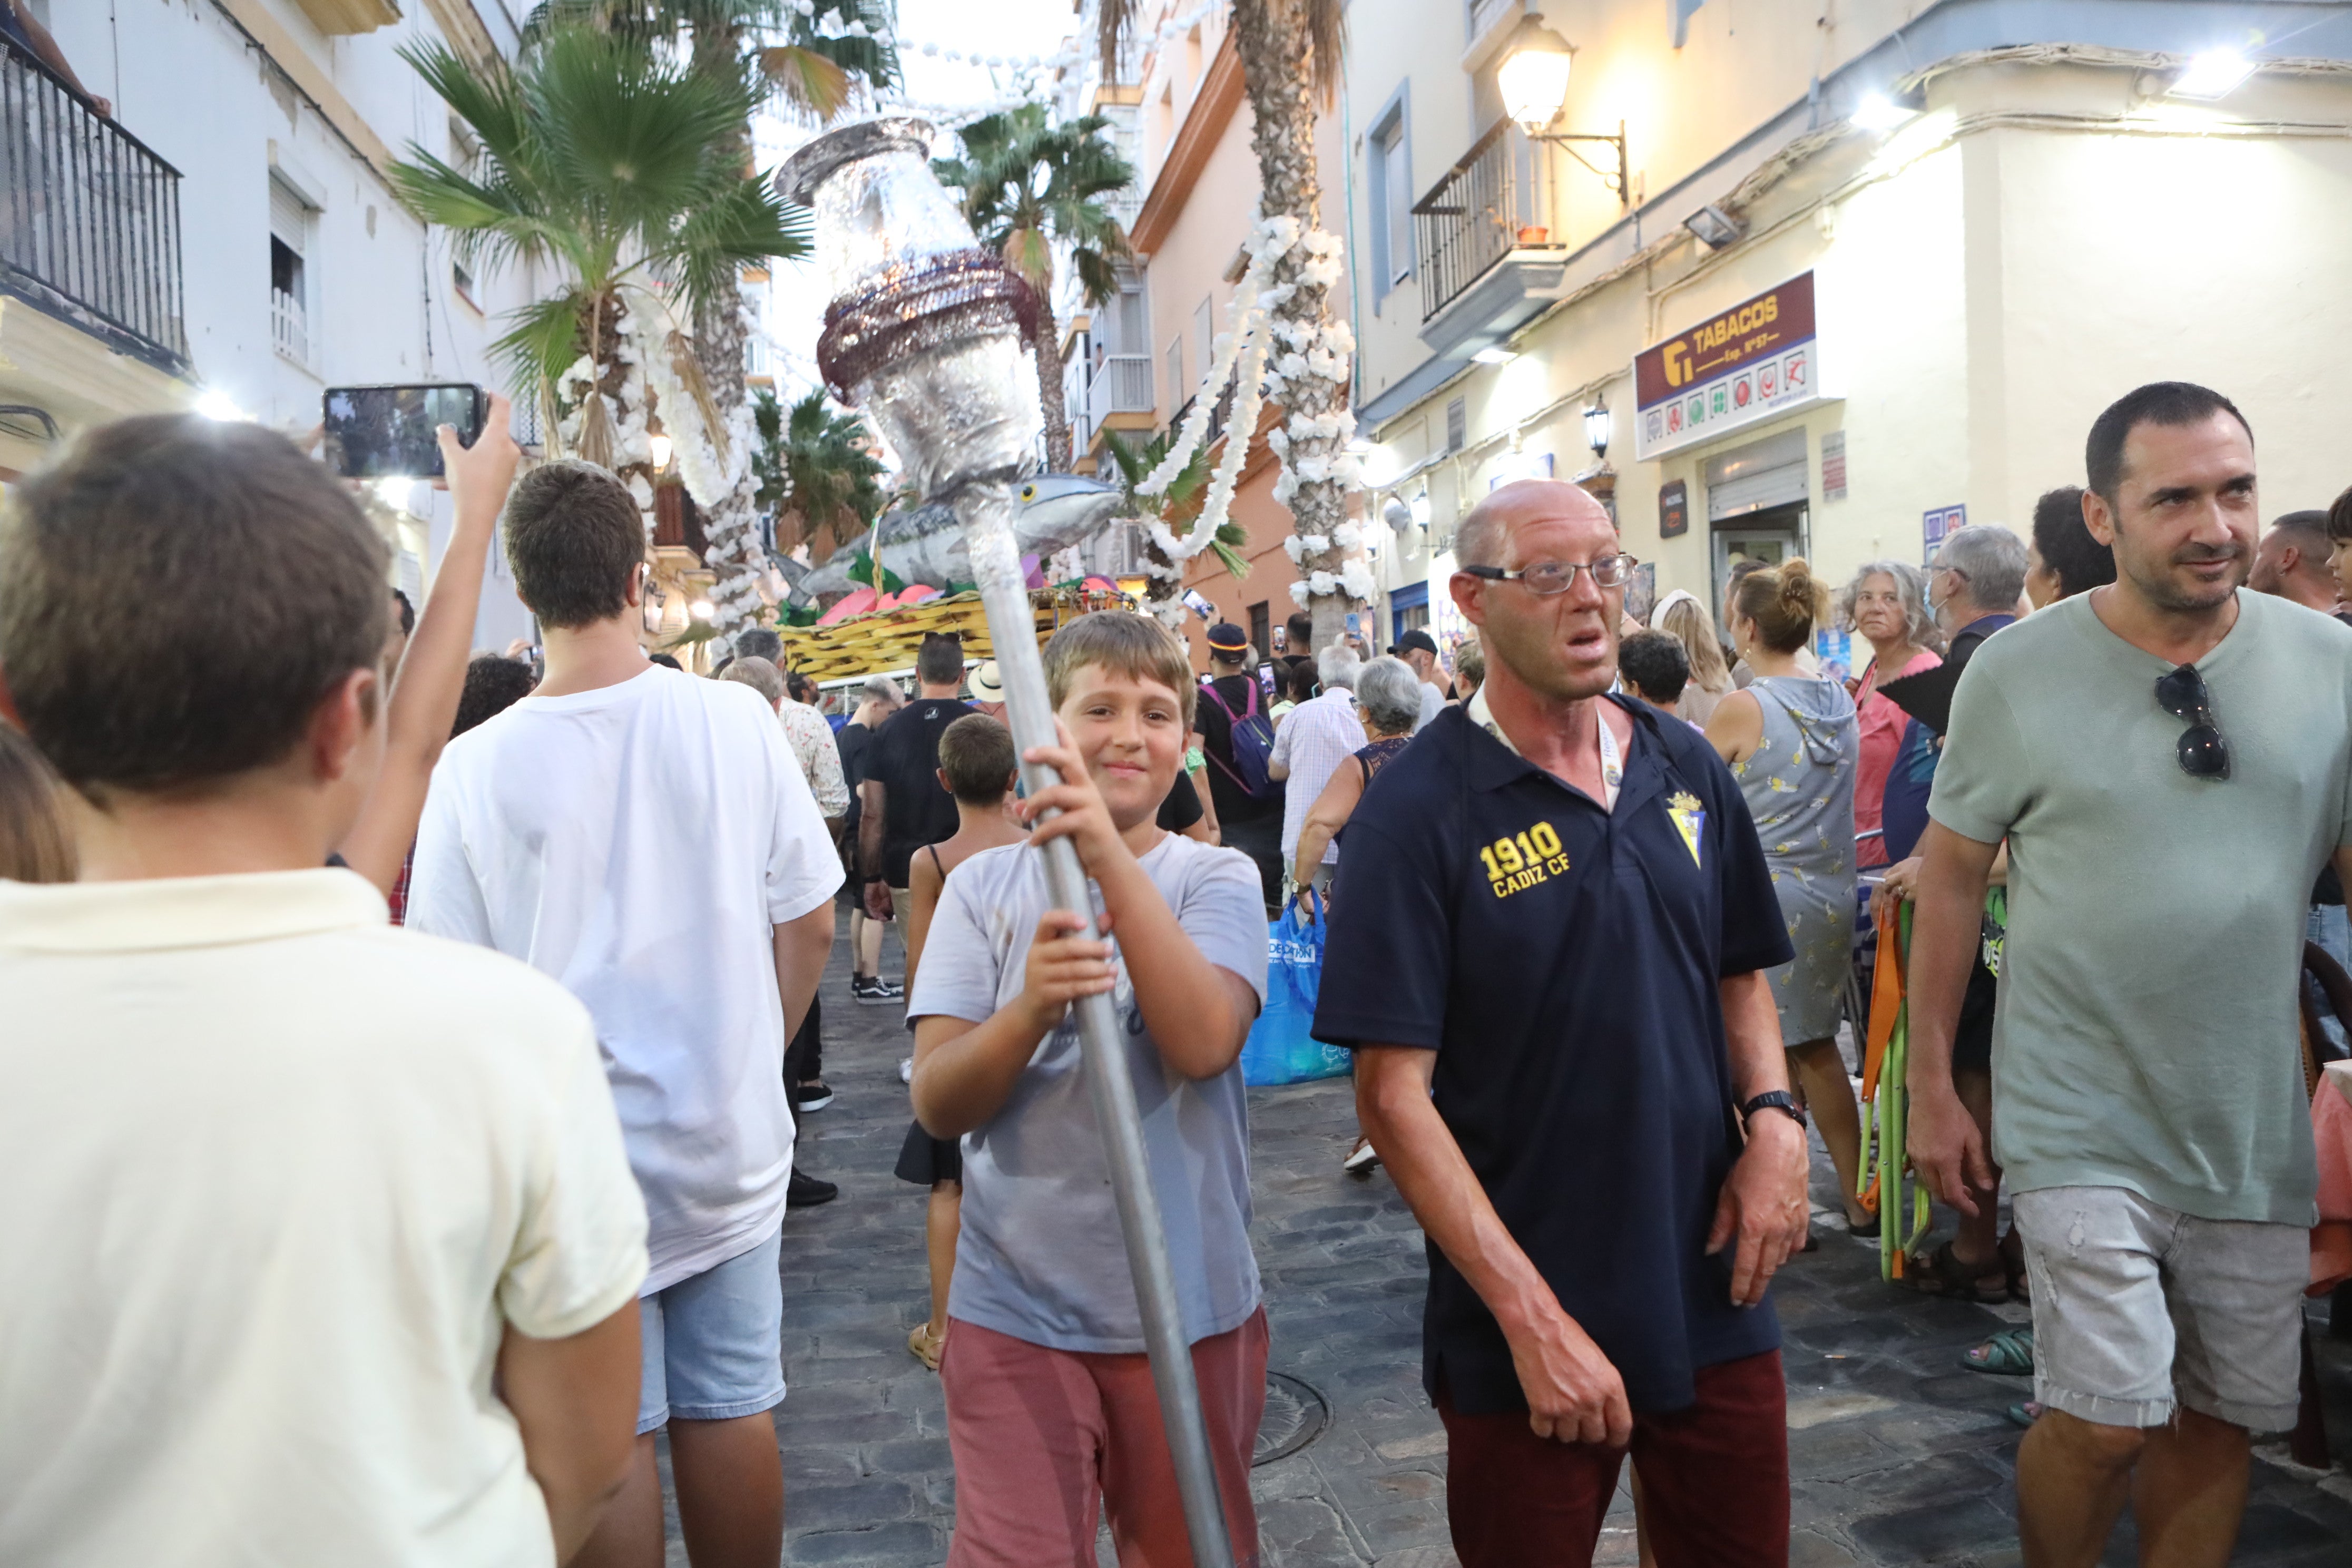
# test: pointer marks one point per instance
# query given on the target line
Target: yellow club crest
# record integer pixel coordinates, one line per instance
(1690, 820)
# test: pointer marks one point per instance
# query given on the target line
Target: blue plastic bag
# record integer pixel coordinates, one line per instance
(1279, 1048)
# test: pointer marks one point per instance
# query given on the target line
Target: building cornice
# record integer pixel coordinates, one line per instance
(1205, 125)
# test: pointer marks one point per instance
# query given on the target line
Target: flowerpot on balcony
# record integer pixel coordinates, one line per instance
(1534, 234)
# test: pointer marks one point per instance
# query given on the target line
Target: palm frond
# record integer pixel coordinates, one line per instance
(543, 341)
(749, 222)
(810, 82)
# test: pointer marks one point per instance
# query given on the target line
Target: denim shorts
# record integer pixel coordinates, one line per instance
(2138, 1307)
(713, 1344)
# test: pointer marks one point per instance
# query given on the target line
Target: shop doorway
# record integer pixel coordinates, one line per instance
(1772, 536)
(1756, 505)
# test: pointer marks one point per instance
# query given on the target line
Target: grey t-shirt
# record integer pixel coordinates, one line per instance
(1040, 1256)
(2145, 1036)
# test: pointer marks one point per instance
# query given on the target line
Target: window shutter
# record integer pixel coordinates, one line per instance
(288, 217)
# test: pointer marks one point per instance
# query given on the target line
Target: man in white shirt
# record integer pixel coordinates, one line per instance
(323, 1245)
(1313, 741)
(647, 838)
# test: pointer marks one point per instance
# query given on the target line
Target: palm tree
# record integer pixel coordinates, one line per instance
(619, 169)
(1028, 185)
(1290, 55)
(1178, 506)
(813, 469)
(816, 67)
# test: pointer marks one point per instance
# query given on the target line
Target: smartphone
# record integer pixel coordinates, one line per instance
(387, 432)
(1198, 602)
(1265, 678)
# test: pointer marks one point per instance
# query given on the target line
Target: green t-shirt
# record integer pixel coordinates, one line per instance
(2145, 1036)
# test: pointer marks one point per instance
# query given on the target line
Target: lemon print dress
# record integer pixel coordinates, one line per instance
(1800, 787)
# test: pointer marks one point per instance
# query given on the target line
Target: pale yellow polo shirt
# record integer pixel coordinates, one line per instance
(273, 1177)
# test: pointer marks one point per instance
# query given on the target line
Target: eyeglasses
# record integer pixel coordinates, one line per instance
(2203, 752)
(1546, 578)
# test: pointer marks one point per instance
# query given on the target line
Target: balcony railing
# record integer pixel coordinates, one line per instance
(289, 327)
(90, 218)
(1472, 218)
(1122, 384)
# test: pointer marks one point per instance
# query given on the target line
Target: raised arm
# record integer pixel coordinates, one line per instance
(1573, 1393)
(432, 675)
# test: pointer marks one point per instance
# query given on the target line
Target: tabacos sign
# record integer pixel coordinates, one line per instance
(1756, 360)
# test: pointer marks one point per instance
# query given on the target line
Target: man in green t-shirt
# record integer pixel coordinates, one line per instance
(2168, 760)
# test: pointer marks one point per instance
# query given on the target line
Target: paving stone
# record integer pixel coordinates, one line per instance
(1898, 1456)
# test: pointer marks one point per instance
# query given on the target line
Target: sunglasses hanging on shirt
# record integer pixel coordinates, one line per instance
(2201, 753)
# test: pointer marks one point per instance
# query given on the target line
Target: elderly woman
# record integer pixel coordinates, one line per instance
(1886, 606)
(1388, 698)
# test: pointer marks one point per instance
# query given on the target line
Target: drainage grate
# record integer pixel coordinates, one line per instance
(1296, 1414)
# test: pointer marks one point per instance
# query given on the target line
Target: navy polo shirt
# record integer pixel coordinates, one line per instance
(1562, 963)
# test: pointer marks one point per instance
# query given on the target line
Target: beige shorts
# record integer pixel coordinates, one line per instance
(2138, 1307)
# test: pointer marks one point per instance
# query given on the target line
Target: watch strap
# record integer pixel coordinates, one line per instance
(1773, 1099)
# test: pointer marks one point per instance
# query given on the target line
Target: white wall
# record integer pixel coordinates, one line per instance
(382, 305)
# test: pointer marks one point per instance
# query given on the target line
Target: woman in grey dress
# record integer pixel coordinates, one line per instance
(1793, 743)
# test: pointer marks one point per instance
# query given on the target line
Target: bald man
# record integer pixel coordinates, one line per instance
(1554, 912)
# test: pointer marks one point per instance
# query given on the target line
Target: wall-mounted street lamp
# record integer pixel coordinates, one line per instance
(1599, 424)
(1533, 78)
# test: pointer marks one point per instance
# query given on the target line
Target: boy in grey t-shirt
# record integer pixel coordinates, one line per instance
(1050, 1401)
(2169, 760)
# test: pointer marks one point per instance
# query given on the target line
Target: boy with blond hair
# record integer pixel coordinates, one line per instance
(1051, 1409)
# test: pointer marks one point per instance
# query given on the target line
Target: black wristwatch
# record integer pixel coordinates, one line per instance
(1772, 1099)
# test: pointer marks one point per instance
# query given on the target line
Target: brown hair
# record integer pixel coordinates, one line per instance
(574, 538)
(939, 661)
(1784, 602)
(2339, 519)
(213, 553)
(977, 755)
(35, 845)
(1134, 646)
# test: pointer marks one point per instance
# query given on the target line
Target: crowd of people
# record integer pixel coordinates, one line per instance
(353, 1243)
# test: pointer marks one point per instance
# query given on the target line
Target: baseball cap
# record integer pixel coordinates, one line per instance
(987, 685)
(1415, 639)
(1227, 637)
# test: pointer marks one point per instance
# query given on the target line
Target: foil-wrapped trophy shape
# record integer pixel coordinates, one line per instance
(927, 333)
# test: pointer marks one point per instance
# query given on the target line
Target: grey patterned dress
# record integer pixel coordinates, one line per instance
(1800, 787)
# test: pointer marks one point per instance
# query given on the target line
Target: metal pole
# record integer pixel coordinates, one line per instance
(985, 508)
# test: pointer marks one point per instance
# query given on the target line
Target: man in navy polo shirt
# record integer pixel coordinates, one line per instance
(1553, 913)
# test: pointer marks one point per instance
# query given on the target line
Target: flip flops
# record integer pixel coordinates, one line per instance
(2008, 1353)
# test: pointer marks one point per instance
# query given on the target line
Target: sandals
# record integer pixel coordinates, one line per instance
(2012, 1258)
(1940, 1273)
(925, 1346)
(2024, 1415)
(2008, 1353)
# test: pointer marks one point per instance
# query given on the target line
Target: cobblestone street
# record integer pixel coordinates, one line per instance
(1898, 1454)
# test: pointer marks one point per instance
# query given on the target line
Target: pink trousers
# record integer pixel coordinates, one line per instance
(1043, 1438)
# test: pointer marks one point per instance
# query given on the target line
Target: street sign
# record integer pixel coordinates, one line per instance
(1751, 363)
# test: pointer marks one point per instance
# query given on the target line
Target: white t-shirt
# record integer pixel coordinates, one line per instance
(273, 1177)
(638, 842)
(1433, 703)
(1040, 1255)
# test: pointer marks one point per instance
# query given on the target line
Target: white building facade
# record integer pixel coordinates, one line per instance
(1967, 228)
(272, 122)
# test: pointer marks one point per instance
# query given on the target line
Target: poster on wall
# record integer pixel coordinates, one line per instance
(1674, 509)
(1757, 361)
(1447, 627)
(1940, 524)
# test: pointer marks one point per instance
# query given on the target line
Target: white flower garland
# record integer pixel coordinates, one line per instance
(1247, 355)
